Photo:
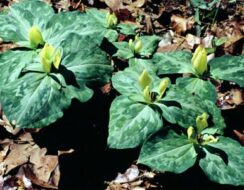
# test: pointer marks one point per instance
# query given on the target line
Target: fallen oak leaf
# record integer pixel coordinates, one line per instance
(43, 165)
(181, 24)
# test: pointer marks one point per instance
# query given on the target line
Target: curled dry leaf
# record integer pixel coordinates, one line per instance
(134, 179)
(114, 4)
(181, 24)
(40, 168)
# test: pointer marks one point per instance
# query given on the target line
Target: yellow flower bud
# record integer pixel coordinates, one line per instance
(49, 56)
(144, 79)
(190, 132)
(147, 94)
(202, 122)
(162, 87)
(35, 37)
(199, 60)
(210, 139)
(131, 45)
(112, 20)
(138, 46)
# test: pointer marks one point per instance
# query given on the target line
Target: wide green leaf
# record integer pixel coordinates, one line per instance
(172, 153)
(36, 100)
(196, 86)
(193, 106)
(21, 16)
(149, 45)
(230, 68)
(123, 50)
(173, 62)
(83, 57)
(12, 63)
(218, 170)
(127, 82)
(131, 123)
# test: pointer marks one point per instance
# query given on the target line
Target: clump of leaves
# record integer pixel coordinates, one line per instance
(143, 46)
(229, 68)
(62, 60)
(219, 157)
(146, 101)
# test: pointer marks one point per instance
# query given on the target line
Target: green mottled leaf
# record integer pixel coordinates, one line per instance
(127, 82)
(219, 171)
(35, 100)
(123, 50)
(193, 106)
(21, 16)
(131, 123)
(12, 63)
(230, 68)
(149, 45)
(86, 60)
(172, 153)
(204, 89)
(127, 29)
(173, 62)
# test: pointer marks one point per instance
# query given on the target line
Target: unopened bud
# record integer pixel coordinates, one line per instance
(162, 87)
(144, 79)
(147, 94)
(112, 20)
(199, 60)
(190, 132)
(49, 55)
(35, 37)
(202, 122)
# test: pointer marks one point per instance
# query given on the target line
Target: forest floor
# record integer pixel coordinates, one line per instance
(59, 158)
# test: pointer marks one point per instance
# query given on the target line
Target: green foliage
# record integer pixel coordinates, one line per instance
(38, 84)
(34, 98)
(139, 111)
(230, 68)
(222, 161)
(149, 45)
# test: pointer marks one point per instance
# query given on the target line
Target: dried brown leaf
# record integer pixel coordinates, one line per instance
(181, 24)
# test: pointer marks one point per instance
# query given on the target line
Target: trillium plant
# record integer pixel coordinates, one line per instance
(61, 61)
(202, 74)
(61, 57)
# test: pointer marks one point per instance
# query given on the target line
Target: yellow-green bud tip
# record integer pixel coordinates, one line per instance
(144, 79)
(111, 19)
(163, 86)
(138, 46)
(147, 94)
(199, 60)
(190, 132)
(202, 122)
(49, 55)
(35, 37)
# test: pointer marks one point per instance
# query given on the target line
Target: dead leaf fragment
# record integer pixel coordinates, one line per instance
(181, 24)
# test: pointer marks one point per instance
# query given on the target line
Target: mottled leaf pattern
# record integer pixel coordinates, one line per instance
(172, 153)
(123, 50)
(149, 45)
(173, 62)
(192, 106)
(131, 123)
(230, 68)
(21, 16)
(217, 170)
(35, 99)
(12, 63)
(196, 86)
